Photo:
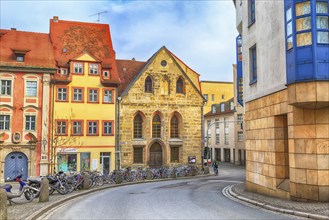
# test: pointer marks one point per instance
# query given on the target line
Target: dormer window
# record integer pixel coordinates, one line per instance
(77, 67)
(222, 107)
(93, 69)
(20, 57)
(214, 109)
(63, 71)
(106, 74)
(232, 105)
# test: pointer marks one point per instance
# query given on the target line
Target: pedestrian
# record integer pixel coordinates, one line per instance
(215, 167)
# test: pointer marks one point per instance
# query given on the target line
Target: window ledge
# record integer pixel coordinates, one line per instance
(254, 81)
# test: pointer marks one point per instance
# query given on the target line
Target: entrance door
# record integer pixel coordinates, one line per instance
(15, 165)
(105, 160)
(227, 156)
(156, 155)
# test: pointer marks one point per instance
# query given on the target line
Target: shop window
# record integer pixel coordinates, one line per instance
(138, 126)
(138, 155)
(85, 161)
(4, 122)
(6, 87)
(174, 127)
(30, 122)
(67, 162)
(31, 88)
(156, 126)
(148, 85)
(174, 154)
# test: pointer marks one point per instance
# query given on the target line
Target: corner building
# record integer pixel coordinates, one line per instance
(160, 112)
(285, 67)
(84, 91)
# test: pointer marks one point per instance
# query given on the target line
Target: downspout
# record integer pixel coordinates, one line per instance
(52, 151)
(202, 135)
(118, 155)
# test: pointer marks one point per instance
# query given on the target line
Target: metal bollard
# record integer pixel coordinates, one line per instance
(44, 190)
(3, 204)
(86, 181)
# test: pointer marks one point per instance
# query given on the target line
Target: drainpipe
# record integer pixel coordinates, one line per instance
(118, 155)
(202, 135)
(52, 153)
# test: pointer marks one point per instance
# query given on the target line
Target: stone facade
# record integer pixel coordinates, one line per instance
(166, 102)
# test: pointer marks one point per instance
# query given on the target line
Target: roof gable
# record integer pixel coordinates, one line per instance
(85, 56)
(151, 61)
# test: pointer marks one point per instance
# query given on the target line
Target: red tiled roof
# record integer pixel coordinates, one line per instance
(128, 70)
(37, 48)
(79, 37)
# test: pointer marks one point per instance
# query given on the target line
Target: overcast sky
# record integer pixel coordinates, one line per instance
(200, 33)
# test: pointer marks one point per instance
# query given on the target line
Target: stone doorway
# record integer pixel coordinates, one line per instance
(156, 159)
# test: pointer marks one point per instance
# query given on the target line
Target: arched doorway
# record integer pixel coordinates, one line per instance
(16, 163)
(156, 155)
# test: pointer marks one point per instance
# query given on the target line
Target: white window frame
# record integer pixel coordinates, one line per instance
(108, 96)
(77, 94)
(28, 88)
(108, 126)
(240, 136)
(6, 86)
(64, 71)
(78, 68)
(5, 122)
(30, 123)
(93, 95)
(93, 69)
(61, 93)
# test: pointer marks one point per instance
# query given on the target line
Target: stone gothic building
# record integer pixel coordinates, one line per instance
(160, 112)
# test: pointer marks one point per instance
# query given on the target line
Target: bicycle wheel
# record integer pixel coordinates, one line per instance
(29, 195)
(99, 181)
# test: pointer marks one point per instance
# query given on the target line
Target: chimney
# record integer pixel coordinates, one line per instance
(55, 18)
(13, 29)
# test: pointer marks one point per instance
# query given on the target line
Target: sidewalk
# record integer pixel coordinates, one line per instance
(303, 209)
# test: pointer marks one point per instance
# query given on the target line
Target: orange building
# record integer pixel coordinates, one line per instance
(26, 66)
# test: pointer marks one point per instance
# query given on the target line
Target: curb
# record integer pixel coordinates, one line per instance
(276, 209)
(48, 208)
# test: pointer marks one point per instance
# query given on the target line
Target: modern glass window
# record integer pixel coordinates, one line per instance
(174, 127)
(4, 122)
(289, 38)
(93, 95)
(92, 128)
(61, 94)
(322, 22)
(107, 128)
(107, 96)
(77, 95)
(31, 88)
(77, 128)
(148, 84)
(180, 86)
(78, 68)
(138, 155)
(240, 136)
(217, 131)
(138, 126)
(61, 128)
(156, 126)
(303, 24)
(174, 154)
(93, 69)
(5, 87)
(253, 64)
(252, 11)
(30, 122)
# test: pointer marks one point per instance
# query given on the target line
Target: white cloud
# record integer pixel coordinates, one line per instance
(201, 33)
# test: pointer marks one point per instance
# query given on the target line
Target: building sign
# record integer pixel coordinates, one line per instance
(239, 74)
(192, 159)
(67, 150)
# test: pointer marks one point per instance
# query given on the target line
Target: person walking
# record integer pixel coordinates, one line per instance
(215, 167)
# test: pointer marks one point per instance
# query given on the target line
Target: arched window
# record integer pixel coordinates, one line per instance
(156, 126)
(174, 127)
(180, 86)
(148, 84)
(138, 126)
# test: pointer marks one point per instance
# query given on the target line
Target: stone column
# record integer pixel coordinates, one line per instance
(86, 181)
(44, 190)
(3, 204)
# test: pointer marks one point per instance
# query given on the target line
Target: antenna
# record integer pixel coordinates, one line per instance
(98, 14)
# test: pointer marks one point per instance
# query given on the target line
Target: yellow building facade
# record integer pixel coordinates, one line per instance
(84, 91)
(216, 92)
